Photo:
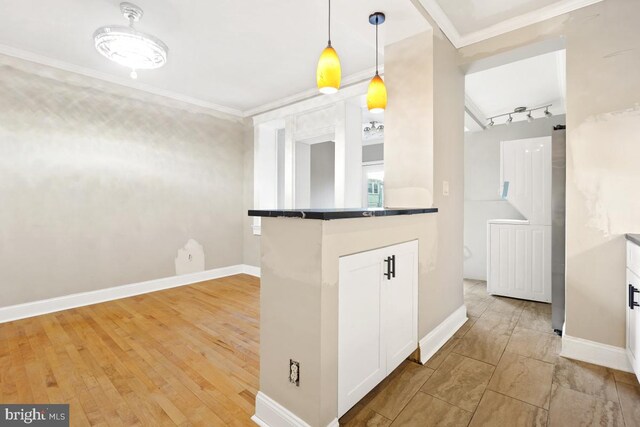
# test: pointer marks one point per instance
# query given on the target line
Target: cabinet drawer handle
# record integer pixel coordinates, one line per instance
(632, 291)
(393, 266)
(387, 261)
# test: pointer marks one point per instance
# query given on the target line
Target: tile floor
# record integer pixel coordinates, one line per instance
(502, 368)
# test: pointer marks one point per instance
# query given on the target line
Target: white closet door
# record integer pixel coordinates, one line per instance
(361, 358)
(400, 314)
(520, 261)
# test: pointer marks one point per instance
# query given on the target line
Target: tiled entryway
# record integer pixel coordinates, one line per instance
(502, 368)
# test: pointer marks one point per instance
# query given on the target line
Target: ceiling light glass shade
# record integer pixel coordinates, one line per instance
(377, 95)
(130, 48)
(329, 72)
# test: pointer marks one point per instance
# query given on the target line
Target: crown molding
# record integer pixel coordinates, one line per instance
(225, 112)
(461, 40)
(442, 20)
(220, 110)
(475, 112)
(350, 80)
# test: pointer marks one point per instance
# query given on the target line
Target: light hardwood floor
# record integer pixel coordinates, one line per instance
(502, 368)
(184, 356)
(189, 356)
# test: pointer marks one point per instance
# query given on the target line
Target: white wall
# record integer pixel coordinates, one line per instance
(322, 182)
(482, 200)
(303, 176)
(373, 153)
(281, 167)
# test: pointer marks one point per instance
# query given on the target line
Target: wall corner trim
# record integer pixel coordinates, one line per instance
(596, 353)
(270, 413)
(435, 339)
(37, 308)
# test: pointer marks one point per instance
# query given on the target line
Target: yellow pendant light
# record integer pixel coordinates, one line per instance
(329, 72)
(377, 93)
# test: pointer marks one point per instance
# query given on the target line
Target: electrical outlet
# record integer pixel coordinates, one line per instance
(294, 372)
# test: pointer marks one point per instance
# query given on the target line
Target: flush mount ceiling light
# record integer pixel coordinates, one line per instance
(129, 47)
(329, 72)
(520, 110)
(377, 93)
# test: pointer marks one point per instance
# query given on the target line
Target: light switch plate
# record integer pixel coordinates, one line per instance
(445, 188)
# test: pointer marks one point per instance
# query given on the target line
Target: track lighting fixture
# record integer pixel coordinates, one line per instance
(520, 110)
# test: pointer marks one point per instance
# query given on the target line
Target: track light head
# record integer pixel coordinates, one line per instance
(530, 117)
(547, 113)
(509, 120)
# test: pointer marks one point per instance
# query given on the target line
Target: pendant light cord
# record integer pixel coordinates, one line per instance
(329, 22)
(376, 45)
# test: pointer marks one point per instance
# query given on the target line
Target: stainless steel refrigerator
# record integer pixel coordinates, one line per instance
(558, 184)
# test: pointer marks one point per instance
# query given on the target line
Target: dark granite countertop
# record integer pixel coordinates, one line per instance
(635, 238)
(328, 214)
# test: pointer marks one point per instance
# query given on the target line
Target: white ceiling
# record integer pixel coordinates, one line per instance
(470, 21)
(231, 53)
(531, 82)
(471, 16)
(242, 56)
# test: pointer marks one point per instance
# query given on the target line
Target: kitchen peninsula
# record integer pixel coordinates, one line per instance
(341, 294)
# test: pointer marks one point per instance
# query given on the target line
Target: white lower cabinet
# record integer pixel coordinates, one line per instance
(377, 317)
(633, 305)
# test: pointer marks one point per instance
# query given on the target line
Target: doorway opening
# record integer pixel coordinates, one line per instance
(515, 110)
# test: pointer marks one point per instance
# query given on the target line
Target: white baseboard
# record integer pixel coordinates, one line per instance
(596, 353)
(251, 270)
(435, 339)
(270, 413)
(66, 302)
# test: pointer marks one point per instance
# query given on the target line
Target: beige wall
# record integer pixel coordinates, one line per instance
(299, 300)
(101, 185)
(251, 242)
(424, 146)
(448, 165)
(603, 148)
(408, 131)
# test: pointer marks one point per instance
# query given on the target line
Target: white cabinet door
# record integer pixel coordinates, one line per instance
(377, 317)
(633, 320)
(519, 261)
(399, 316)
(361, 358)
